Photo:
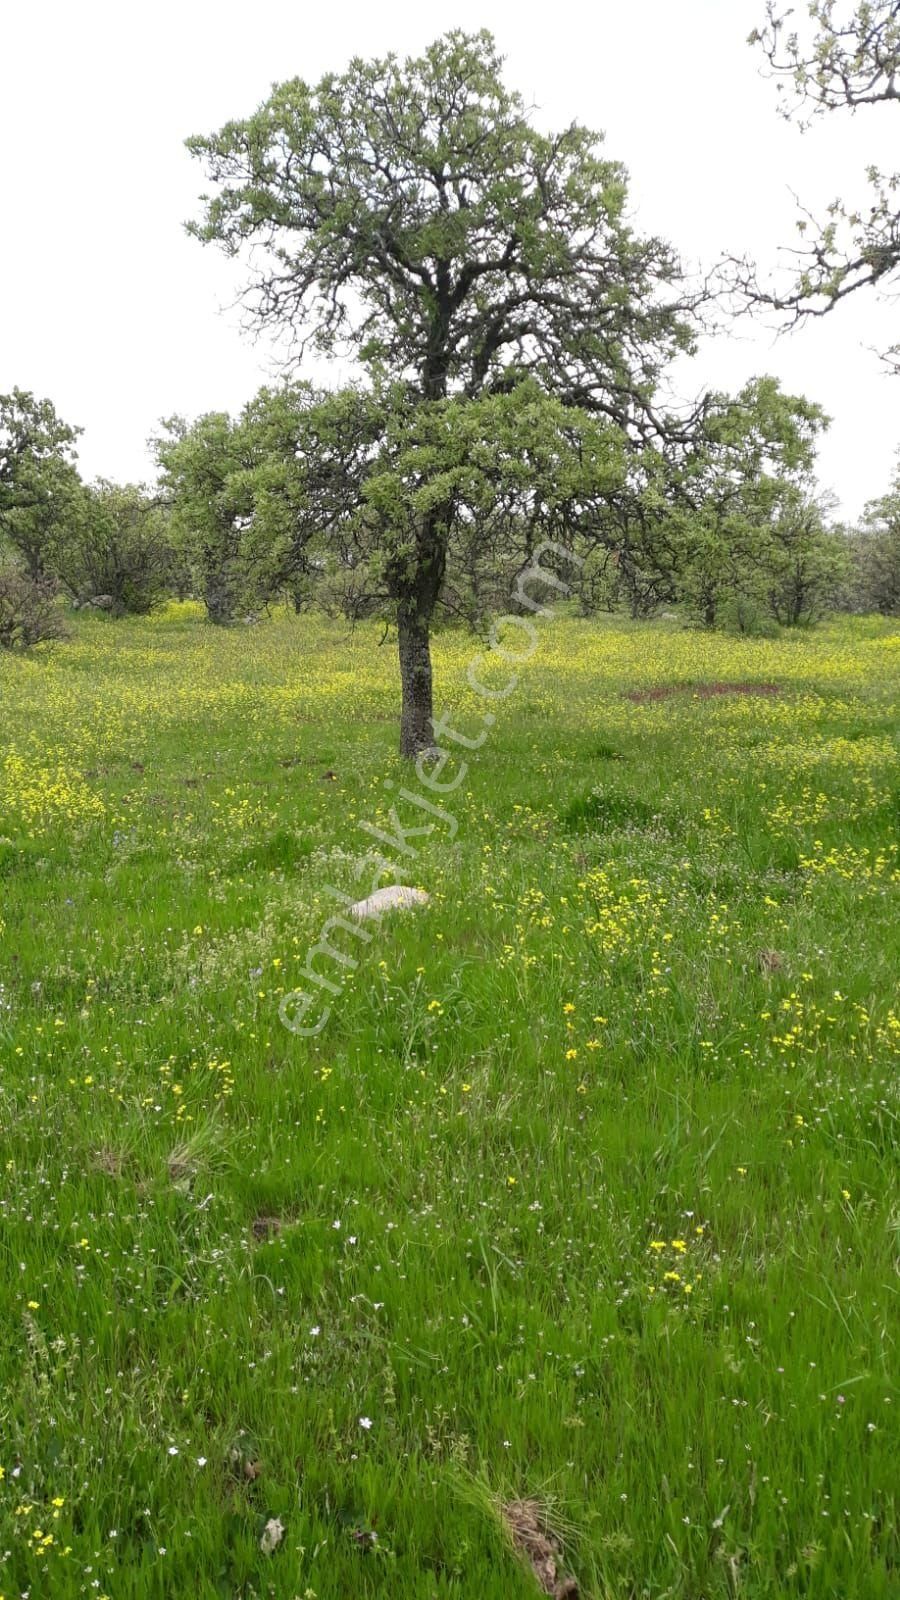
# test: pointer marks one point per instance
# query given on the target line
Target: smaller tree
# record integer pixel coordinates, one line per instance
(38, 526)
(875, 555)
(753, 454)
(39, 480)
(202, 467)
(117, 546)
(807, 563)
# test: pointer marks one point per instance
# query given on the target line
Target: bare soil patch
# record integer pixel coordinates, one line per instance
(703, 691)
(539, 1546)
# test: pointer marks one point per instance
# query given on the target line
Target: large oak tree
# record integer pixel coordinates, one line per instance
(412, 214)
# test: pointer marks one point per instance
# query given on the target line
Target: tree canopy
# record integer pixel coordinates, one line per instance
(410, 212)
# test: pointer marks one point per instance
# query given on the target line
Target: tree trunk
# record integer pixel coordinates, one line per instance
(218, 597)
(417, 596)
(413, 637)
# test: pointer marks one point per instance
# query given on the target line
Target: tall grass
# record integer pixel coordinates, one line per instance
(583, 1193)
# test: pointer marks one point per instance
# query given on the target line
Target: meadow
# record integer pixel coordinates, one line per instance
(582, 1197)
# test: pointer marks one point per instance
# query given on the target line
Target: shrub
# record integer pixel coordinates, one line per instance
(29, 612)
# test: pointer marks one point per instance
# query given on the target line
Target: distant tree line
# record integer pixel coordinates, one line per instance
(289, 503)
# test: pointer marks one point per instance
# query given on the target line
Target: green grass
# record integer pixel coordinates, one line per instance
(653, 1000)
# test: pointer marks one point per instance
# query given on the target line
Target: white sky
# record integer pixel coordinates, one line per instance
(110, 309)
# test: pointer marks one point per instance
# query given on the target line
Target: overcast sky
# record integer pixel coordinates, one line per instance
(110, 309)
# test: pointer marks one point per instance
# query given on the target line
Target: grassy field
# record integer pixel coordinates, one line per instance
(582, 1194)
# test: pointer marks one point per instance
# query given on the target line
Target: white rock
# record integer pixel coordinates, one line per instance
(272, 1535)
(395, 897)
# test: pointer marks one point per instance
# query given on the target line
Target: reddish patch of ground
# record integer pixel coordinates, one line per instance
(703, 691)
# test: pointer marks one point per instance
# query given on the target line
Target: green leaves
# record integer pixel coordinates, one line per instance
(116, 544)
(741, 507)
(201, 478)
(39, 480)
(309, 491)
(409, 212)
